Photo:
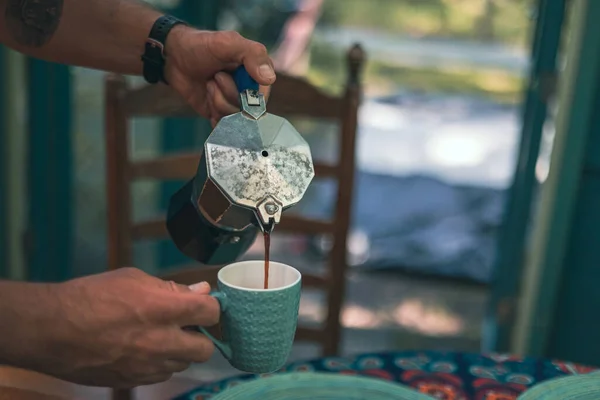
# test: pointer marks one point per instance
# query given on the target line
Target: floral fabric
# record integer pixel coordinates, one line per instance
(442, 375)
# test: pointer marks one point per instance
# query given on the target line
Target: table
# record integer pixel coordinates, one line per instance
(19, 384)
(8, 393)
(443, 375)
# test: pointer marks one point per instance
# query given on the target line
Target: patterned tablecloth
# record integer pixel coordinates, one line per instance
(443, 375)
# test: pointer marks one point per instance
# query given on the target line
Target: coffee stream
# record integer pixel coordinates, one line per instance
(267, 239)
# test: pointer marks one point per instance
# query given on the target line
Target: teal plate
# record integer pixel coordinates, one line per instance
(575, 387)
(319, 386)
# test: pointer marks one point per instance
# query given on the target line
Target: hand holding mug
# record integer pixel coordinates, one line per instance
(119, 329)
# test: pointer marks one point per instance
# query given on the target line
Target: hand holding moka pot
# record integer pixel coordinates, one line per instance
(254, 166)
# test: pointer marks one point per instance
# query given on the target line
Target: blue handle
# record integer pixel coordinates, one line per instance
(243, 80)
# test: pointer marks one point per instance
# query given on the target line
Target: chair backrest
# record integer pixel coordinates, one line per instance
(124, 103)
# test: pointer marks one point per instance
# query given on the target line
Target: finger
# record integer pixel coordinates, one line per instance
(173, 366)
(213, 115)
(226, 84)
(219, 102)
(199, 288)
(175, 287)
(231, 47)
(151, 379)
(185, 305)
(192, 308)
(190, 347)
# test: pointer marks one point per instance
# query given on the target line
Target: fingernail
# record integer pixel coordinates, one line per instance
(199, 287)
(266, 72)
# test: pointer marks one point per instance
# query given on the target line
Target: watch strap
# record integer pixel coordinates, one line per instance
(154, 51)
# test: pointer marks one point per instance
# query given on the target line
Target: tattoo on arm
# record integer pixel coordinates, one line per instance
(33, 22)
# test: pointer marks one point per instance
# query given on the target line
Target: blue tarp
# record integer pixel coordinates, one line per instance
(417, 223)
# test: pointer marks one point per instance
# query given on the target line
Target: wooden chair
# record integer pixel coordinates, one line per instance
(124, 103)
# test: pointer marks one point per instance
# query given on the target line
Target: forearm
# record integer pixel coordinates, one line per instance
(29, 312)
(101, 34)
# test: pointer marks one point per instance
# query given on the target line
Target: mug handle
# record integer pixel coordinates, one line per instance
(222, 346)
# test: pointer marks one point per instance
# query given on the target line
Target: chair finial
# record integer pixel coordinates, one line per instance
(356, 59)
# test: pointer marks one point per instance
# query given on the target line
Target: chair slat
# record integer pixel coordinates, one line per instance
(184, 165)
(314, 281)
(157, 229)
(326, 171)
(151, 229)
(180, 166)
(156, 101)
(306, 334)
(191, 274)
(307, 226)
(296, 97)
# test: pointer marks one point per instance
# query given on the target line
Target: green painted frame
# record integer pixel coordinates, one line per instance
(502, 305)
(563, 296)
(3, 170)
(49, 238)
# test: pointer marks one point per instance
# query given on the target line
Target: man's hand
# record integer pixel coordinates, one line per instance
(123, 329)
(196, 65)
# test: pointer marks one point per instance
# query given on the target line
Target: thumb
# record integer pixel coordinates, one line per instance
(233, 48)
(193, 306)
(200, 288)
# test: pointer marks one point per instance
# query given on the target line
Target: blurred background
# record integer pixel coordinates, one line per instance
(455, 137)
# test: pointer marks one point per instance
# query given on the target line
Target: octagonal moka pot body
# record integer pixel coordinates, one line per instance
(254, 166)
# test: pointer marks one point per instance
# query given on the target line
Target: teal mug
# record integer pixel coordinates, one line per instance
(258, 325)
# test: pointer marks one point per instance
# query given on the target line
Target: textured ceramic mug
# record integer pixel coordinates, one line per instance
(258, 324)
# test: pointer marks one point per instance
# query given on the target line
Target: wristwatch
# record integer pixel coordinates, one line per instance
(154, 53)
